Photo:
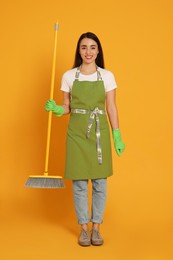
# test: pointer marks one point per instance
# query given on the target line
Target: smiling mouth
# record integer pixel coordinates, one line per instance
(88, 57)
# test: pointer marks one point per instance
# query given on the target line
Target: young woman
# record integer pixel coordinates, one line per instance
(88, 89)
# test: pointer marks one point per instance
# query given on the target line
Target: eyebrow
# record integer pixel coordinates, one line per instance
(93, 45)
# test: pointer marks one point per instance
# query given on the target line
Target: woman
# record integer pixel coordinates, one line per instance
(87, 88)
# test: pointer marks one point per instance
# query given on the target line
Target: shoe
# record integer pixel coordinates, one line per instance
(96, 238)
(84, 238)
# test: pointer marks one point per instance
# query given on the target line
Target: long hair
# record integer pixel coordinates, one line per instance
(99, 59)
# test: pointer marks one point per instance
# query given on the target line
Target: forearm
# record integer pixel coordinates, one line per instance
(66, 103)
(113, 119)
(112, 109)
(66, 109)
(113, 116)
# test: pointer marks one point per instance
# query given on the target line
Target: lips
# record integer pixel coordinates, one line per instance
(88, 57)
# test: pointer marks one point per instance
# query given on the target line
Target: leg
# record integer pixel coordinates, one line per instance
(98, 199)
(98, 206)
(80, 189)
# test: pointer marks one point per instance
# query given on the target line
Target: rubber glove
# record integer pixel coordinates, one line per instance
(118, 144)
(52, 106)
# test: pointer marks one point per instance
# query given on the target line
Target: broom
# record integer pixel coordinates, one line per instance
(47, 181)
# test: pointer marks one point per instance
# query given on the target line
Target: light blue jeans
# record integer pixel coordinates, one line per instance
(80, 190)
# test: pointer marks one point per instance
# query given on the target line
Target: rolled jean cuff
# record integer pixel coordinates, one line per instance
(81, 222)
(97, 221)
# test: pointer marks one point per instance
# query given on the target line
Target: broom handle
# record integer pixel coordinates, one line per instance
(51, 97)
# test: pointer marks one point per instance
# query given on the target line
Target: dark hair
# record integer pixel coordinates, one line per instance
(99, 59)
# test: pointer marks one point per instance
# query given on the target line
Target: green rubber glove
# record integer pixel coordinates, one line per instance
(52, 106)
(118, 144)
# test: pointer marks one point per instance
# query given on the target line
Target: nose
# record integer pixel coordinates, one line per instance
(88, 51)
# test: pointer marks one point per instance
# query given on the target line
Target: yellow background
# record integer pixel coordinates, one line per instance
(137, 41)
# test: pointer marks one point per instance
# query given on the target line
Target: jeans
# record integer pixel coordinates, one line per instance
(80, 190)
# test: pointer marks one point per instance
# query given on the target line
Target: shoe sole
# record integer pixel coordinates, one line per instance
(84, 244)
(97, 243)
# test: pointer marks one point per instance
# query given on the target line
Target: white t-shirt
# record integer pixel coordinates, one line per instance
(69, 77)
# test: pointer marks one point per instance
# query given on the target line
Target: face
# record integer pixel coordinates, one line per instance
(88, 50)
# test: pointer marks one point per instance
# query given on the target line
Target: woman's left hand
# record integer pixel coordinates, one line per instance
(118, 143)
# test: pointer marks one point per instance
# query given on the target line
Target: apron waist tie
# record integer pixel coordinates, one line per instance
(93, 115)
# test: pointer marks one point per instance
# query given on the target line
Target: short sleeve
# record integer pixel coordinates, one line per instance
(110, 82)
(65, 86)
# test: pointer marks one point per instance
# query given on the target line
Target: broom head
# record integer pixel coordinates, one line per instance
(40, 181)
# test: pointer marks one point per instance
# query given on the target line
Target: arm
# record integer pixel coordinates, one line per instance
(112, 109)
(113, 118)
(66, 102)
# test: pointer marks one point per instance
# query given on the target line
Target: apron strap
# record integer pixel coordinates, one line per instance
(77, 73)
(99, 77)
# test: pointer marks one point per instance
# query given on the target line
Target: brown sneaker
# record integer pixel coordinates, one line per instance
(84, 238)
(96, 238)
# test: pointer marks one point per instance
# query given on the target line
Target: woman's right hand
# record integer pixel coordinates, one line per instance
(52, 106)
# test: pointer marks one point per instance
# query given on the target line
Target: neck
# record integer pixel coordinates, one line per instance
(88, 68)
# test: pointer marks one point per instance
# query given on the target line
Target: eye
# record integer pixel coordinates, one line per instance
(83, 47)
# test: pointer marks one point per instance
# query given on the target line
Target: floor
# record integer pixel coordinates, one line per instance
(28, 232)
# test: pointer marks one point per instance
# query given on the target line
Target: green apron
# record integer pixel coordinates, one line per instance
(88, 148)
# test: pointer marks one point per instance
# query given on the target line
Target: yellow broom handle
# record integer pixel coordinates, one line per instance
(51, 97)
